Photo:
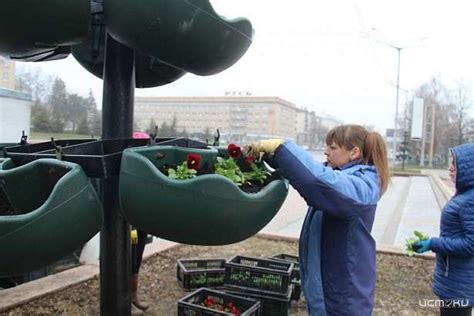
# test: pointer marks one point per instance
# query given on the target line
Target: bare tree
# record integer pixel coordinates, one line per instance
(461, 103)
(34, 82)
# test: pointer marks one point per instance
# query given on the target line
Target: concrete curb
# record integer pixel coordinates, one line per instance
(445, 190)
(399, 251)
(29, 291)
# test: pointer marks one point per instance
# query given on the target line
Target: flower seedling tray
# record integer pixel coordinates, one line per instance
(98, 158)
(25, 153)
(289, 258)
(206, 301)
(267, 276)
(271, 304)
(196, 273)
(295, 277)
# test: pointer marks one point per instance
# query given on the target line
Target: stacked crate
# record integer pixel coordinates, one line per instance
(205, 302)
(271, 282)
(268, 281)
(197, 273)
(295, 277)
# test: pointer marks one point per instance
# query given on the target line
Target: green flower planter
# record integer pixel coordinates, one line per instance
(206, 210)
(56, 211)
(186, 34)
(149, 71)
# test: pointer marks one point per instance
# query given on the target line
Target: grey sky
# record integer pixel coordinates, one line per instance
(329, 56)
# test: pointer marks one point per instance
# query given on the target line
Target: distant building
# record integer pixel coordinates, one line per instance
(239, 119)
(329, 122)
(15, 112)
(7, 73)
(307, 123)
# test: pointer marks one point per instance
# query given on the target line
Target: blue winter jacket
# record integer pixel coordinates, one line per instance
(453, 277)
(337, 252)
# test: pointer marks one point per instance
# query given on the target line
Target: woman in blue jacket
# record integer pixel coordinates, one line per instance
(336, 250)
(453, 277)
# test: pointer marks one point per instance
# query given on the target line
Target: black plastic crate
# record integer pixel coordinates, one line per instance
(271, 276)
(98, 158)
(289, 258)
(196, 273)
(296, 294)
(271, 304)
(295, 276)
(193, 304)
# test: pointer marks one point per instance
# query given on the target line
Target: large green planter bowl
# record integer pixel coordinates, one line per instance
(149, 71)
(206, 210)
(185, 34)
(57, 210)
(34, 30)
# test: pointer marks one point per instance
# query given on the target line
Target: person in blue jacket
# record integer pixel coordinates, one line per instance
(453, 277)
(336, 250)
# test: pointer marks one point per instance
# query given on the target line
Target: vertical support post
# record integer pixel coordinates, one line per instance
(433, 126)
(395, 131)
(424, 135)
(117, 122)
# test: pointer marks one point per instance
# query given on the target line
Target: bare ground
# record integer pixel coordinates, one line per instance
(401, 282)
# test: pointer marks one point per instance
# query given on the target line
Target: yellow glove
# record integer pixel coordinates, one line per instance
(134, 236)
(267, 146)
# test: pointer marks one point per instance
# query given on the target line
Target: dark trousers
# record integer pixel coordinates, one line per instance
(137, 251)
(455, 311)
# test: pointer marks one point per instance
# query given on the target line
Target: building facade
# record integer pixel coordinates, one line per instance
(307, 126)
(239, 119)
(15, 113)
(7, 73)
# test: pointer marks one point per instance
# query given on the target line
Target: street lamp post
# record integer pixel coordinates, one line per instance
(399, 49)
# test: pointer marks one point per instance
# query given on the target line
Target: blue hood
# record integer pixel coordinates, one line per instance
(464, 157)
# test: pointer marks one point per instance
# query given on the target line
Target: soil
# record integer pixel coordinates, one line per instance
(248, 187)
(401, 282)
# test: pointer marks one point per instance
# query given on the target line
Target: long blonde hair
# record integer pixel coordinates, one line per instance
(371, 144)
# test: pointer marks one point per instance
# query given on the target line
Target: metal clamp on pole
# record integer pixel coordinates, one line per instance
(216, 139)
(58, 149)
(24, 138)
(154, 135)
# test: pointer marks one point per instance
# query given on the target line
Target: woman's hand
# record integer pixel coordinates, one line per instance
(267, 146)
(421, 246)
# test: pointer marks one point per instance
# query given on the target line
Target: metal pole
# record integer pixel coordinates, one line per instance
(433, 122)
(117, 122)
(399, 49)
(424, 135)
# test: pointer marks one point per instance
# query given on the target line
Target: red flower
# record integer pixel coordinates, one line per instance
(234, 151)
(249, 160)
(193, 161)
